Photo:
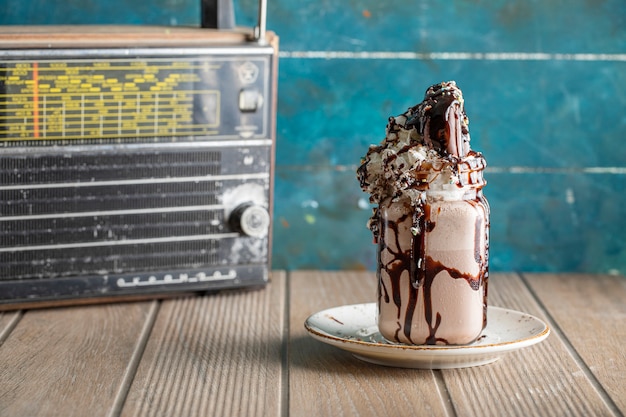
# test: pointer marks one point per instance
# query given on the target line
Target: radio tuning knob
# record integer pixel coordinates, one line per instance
(251, 220)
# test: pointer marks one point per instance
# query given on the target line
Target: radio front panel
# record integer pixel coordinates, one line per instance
(134, 172)
(109, 97)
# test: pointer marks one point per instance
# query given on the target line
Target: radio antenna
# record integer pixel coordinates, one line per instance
(217, 14)
(259, 30)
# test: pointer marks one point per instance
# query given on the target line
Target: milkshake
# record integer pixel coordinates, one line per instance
(431, 223)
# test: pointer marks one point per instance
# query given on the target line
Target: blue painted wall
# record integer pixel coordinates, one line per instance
(545, 88)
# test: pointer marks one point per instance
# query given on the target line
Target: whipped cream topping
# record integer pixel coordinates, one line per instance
(426, 149)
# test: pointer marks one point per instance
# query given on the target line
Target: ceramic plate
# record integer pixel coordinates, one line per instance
(353, 328)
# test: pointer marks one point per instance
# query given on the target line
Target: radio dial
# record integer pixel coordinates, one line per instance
(251, 220)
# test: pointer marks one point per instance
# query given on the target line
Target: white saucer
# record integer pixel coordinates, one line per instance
(353, 328)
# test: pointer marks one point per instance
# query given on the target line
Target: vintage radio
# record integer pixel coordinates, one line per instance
(135, 161)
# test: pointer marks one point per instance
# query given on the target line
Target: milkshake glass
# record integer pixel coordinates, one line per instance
(431, 224)
(433, 267)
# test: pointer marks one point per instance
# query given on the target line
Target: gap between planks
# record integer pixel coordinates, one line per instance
(284, 389)
(10, 325)
(135, 359)
(444, 393)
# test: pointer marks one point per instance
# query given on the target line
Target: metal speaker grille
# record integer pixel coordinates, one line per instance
(98, 213)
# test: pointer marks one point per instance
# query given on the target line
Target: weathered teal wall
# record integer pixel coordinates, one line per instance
(545, 88)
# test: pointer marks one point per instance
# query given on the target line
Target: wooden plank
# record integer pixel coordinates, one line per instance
(542, 380)
(63, 362)
(217, 355)
(590, 310)
(326, 381)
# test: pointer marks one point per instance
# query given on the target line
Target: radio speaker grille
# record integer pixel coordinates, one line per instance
(76, 214)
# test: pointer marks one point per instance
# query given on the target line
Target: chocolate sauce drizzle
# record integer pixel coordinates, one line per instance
(431, 121)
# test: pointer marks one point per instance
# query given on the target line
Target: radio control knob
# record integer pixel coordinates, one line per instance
(250, 219)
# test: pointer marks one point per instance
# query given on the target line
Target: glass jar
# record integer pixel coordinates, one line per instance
(433, 263)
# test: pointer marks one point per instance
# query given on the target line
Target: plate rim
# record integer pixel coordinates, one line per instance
(436, 350)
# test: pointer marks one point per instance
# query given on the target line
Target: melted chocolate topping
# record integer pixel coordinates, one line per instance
(431, 118)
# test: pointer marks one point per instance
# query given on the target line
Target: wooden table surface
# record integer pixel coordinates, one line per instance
(247, 354)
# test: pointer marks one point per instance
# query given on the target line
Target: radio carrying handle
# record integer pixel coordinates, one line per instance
(220, 14)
